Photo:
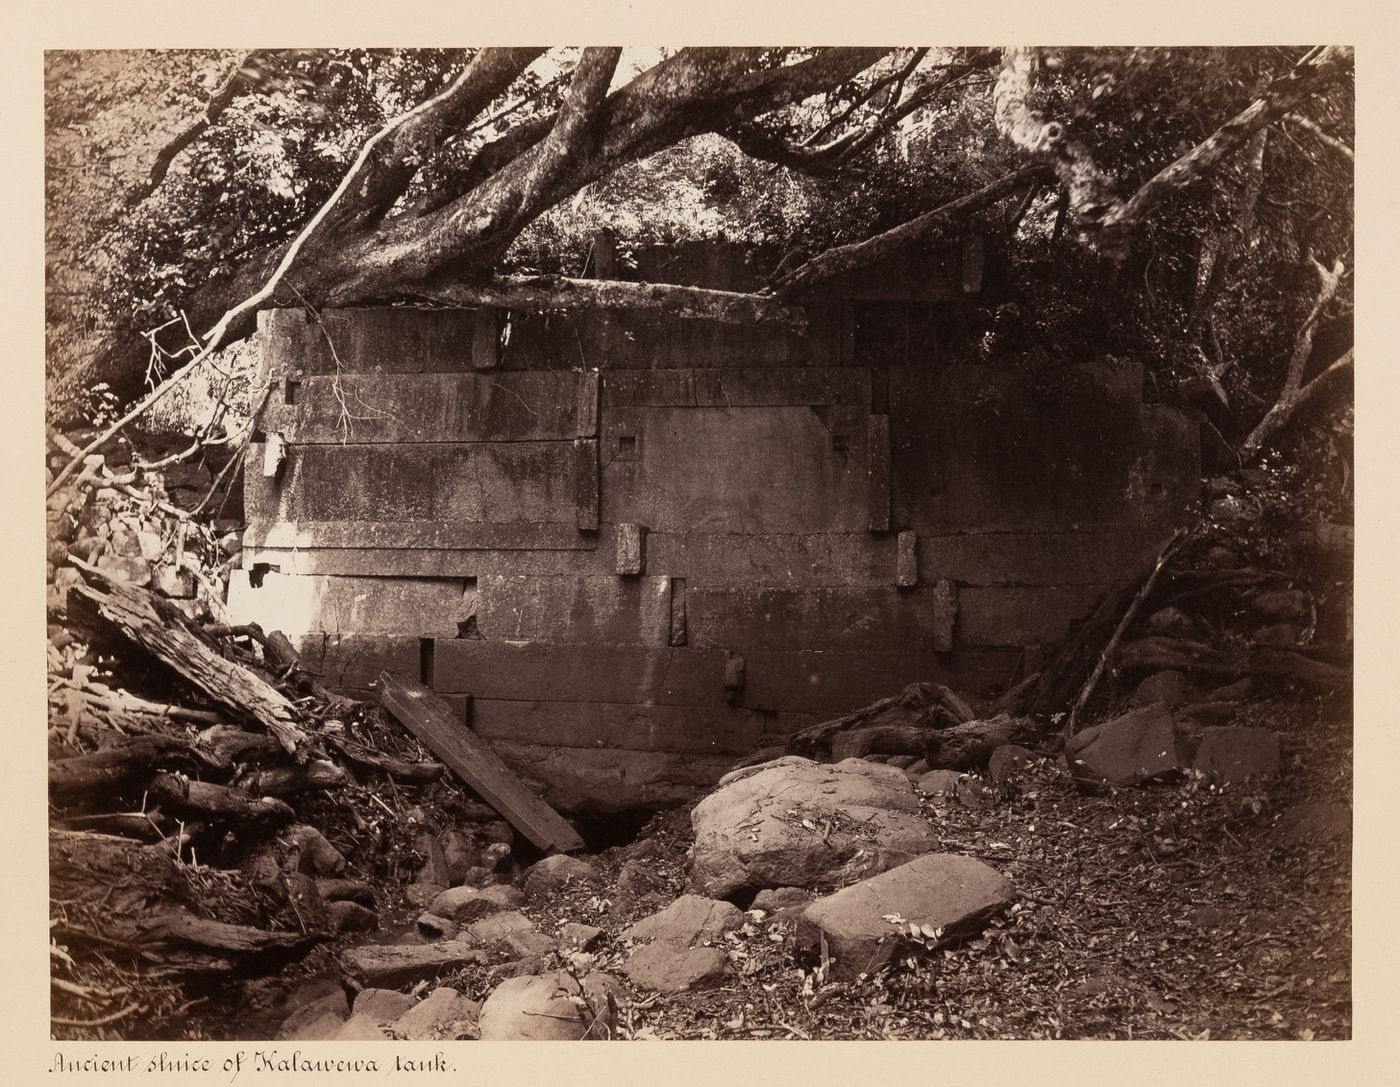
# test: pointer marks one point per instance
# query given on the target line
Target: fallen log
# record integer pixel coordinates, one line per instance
(123, 767)
(290, 780)
(883, 740)
(164, 632)
(1158, 653)
(218, 803)
(969, 745)
(227, 745)
(922, 706)
(415, 773)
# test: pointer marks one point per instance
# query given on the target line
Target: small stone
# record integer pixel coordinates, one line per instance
(422, 895)
(441, 1015)
(460, 855)
(637, 878)
(550, 876)
(346, 916)
(1238, 754)
(688, 920)
(381, 1005)
(940, 782)
(576, 937)
(466, 904)
(671, 967)
(149, 545)
(544, 1007)
(779, 898)
(132, 570)
(174, 582)
(972, 792)
(917, 769)
(477, 876)
(1169, 688)
(1008, 761)
(433, 927)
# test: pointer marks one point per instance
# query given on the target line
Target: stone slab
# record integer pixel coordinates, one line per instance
(584, 610)
(297, 604)
(719, 732)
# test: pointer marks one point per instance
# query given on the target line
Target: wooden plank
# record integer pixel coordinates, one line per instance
(470, 758)
(527, 671)
(877, 451)
(586, 497)
(907, 561)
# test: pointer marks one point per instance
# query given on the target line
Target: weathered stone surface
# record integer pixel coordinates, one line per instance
(312, 1019)
(1233, 692)
(512, 932)
(941, 890)
(443, 1014)
(1008, 761)
(346, 916)
(433, 927)
(1237, 754)
(576, 937)
(771, 899)
(466, 904)
(392, 965)
(688, 920)
(940, 782)
(360, 1028)
(708, 730)
(1127, 750)
(1281, 603)
(592, 610)
(671, 967)
(796, 823)
(551, 875)
(381, 1005)
(1170, 688)
(422, 895)
(459, 854)
(543, 1007)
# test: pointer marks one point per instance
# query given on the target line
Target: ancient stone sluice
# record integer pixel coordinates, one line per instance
(645, 546)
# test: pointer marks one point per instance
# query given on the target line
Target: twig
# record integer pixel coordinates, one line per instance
(103, 1021)
(1168, 550)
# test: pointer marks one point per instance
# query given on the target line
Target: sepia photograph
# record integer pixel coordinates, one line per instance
(804, 543)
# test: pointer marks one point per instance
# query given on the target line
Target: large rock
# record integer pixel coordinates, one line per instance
(467, 904)
(1169, 688)
(388, 966)
(512, 932)
(689, 920)
(1237, 754)
(445, 1013)
(941, 891)
(940, 782)
(1127, 750)
(1009, 761)
(797, 823)
(556, 1006)
(381, 1005)
(551, 875)
(671, 967)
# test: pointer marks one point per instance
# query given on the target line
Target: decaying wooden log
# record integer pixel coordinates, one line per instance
(1155, 653)
(883, 740)
(227, 745)
(415, 773)
(122, 767)
(290, 780)
(165, 633)
(969, 745)
(123, 875)
(924, 706)
(218, 803)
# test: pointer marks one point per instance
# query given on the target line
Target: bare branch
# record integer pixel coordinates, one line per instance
(1323, 137)
(847, 258)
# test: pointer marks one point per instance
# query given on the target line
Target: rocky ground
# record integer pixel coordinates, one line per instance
(254, 857)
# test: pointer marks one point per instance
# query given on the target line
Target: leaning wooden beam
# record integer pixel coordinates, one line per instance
(431, 719)
(135, 613)
(558, 293)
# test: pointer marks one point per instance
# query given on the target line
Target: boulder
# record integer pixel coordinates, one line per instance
(550, 876)
(360, 1028)
(381, 1005)
(346, 916)
(512, 932)
(781, 898)
(1237, 754)
(432, 927)
(388, 966)
(940, 782)
(939, 891)
(1127, 750)
(544, 1007)
(442, 1015)
(467, 904)
(1008, 761)
(671, 967)
(422, 894)
(797, 823)
(1170, 688)
(689, 920)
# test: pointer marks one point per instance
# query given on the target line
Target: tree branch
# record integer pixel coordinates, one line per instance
(847, 258)
(1323, 137)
